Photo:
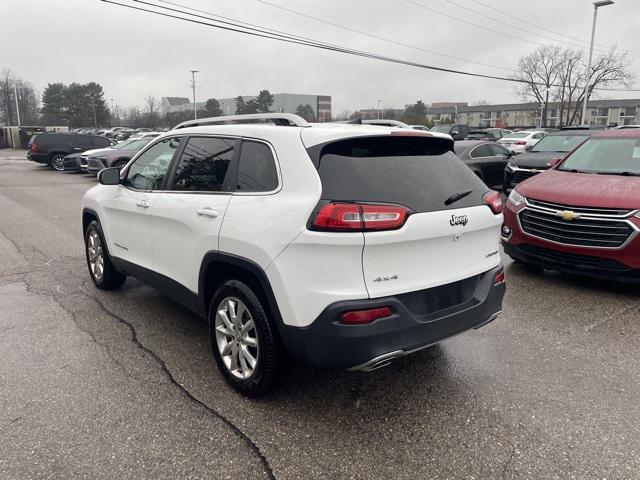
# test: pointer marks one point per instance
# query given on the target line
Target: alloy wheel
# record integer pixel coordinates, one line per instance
(58, 163)
(237, 337)
(96, 255)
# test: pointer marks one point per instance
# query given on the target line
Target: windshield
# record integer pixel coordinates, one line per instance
(441, 128)
(558, 143)
(606, 155)
(133, 144)
(516, 135)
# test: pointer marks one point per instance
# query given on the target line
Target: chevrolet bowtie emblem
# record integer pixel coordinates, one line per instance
(568, 215)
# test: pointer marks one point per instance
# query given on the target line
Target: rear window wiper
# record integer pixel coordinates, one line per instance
(457, 196)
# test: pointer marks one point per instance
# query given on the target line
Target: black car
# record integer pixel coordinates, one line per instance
(51, 148)
(457, 132)
(72, 162)
(544, 154)
(493, 134)
(486, 159)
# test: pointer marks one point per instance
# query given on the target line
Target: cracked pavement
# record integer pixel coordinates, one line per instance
(121, 384)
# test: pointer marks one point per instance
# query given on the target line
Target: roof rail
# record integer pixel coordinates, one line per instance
(282, 119)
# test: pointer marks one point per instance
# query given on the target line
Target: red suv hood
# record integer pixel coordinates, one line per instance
(583, 189)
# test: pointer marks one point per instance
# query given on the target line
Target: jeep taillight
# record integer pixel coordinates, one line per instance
(34, 148)
(360, 317)
(353, 217)
(494, 201)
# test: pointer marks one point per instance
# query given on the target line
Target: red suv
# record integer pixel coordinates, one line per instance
(581, 216)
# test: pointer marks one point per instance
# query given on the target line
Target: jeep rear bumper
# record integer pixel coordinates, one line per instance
(416, 322)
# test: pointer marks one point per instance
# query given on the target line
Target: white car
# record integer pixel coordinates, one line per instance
(342, 246)
(139, 135)
(523, 141)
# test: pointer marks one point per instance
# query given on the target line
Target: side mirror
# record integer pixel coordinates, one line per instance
(109, 176)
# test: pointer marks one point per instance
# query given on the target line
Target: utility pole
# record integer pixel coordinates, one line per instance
(193, 87)
(587, 75)
(379, 112)
(95, 118)
(15, 92)
(112, 112)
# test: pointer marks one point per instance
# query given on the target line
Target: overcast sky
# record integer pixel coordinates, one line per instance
(134, 54)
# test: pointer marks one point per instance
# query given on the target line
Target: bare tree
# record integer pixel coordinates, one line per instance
(539, 71)
(12, 86)
(607, 70)
(151, 110)
(344, 115)
(550, 72)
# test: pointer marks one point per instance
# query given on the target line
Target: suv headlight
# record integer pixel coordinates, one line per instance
(515, 198)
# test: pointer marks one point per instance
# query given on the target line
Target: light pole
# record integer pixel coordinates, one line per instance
(15, 91)
(95, 118)
(456, 109)
(193, 87)
(379, 113)
(112, 112)
(587, 75)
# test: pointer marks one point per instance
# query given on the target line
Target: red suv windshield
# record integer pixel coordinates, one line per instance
(613, 156)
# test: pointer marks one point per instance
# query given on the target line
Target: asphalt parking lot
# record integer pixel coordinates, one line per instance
(98, 384)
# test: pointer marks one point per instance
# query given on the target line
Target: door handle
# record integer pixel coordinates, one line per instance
(143, 204)
(207, 212)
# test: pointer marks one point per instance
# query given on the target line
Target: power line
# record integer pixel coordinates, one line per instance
(502, 12)
(467, 9)
(229, 25)
(389, 40)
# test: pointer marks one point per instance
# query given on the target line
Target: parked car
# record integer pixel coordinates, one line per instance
(457, 132)
(550, 149)
(345, 246)
(143, 134)
(492, 134)
(581, 216)
(51, 148)
(419, 127)
(519, 142)
(622, 127)
(118, 156)
(486, 159)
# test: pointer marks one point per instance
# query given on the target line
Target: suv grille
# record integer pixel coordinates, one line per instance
(614, 212)
(522, 175)
(584, 232)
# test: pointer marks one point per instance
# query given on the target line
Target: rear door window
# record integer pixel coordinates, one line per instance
(101, 142)
(480, 151)
(417, 172)
(257, 168)
(497, 150)
(204, 164)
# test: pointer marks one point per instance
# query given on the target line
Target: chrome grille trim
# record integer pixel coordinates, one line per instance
(589, 231)
(585, 211)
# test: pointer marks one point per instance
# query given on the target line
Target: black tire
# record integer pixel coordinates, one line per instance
(269, 367)
(57, 162)
(119, 164)
(106, 278)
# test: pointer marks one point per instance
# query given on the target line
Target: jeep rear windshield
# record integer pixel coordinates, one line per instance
(417, 172)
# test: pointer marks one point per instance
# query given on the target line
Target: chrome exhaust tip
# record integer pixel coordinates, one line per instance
(378, 362)
(491, 319)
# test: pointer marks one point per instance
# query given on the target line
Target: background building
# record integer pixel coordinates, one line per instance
(599, 112)
(282, 103)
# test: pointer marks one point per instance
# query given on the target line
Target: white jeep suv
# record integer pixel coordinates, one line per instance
(343, 246)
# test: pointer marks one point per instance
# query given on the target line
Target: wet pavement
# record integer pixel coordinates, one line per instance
(122, 385)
